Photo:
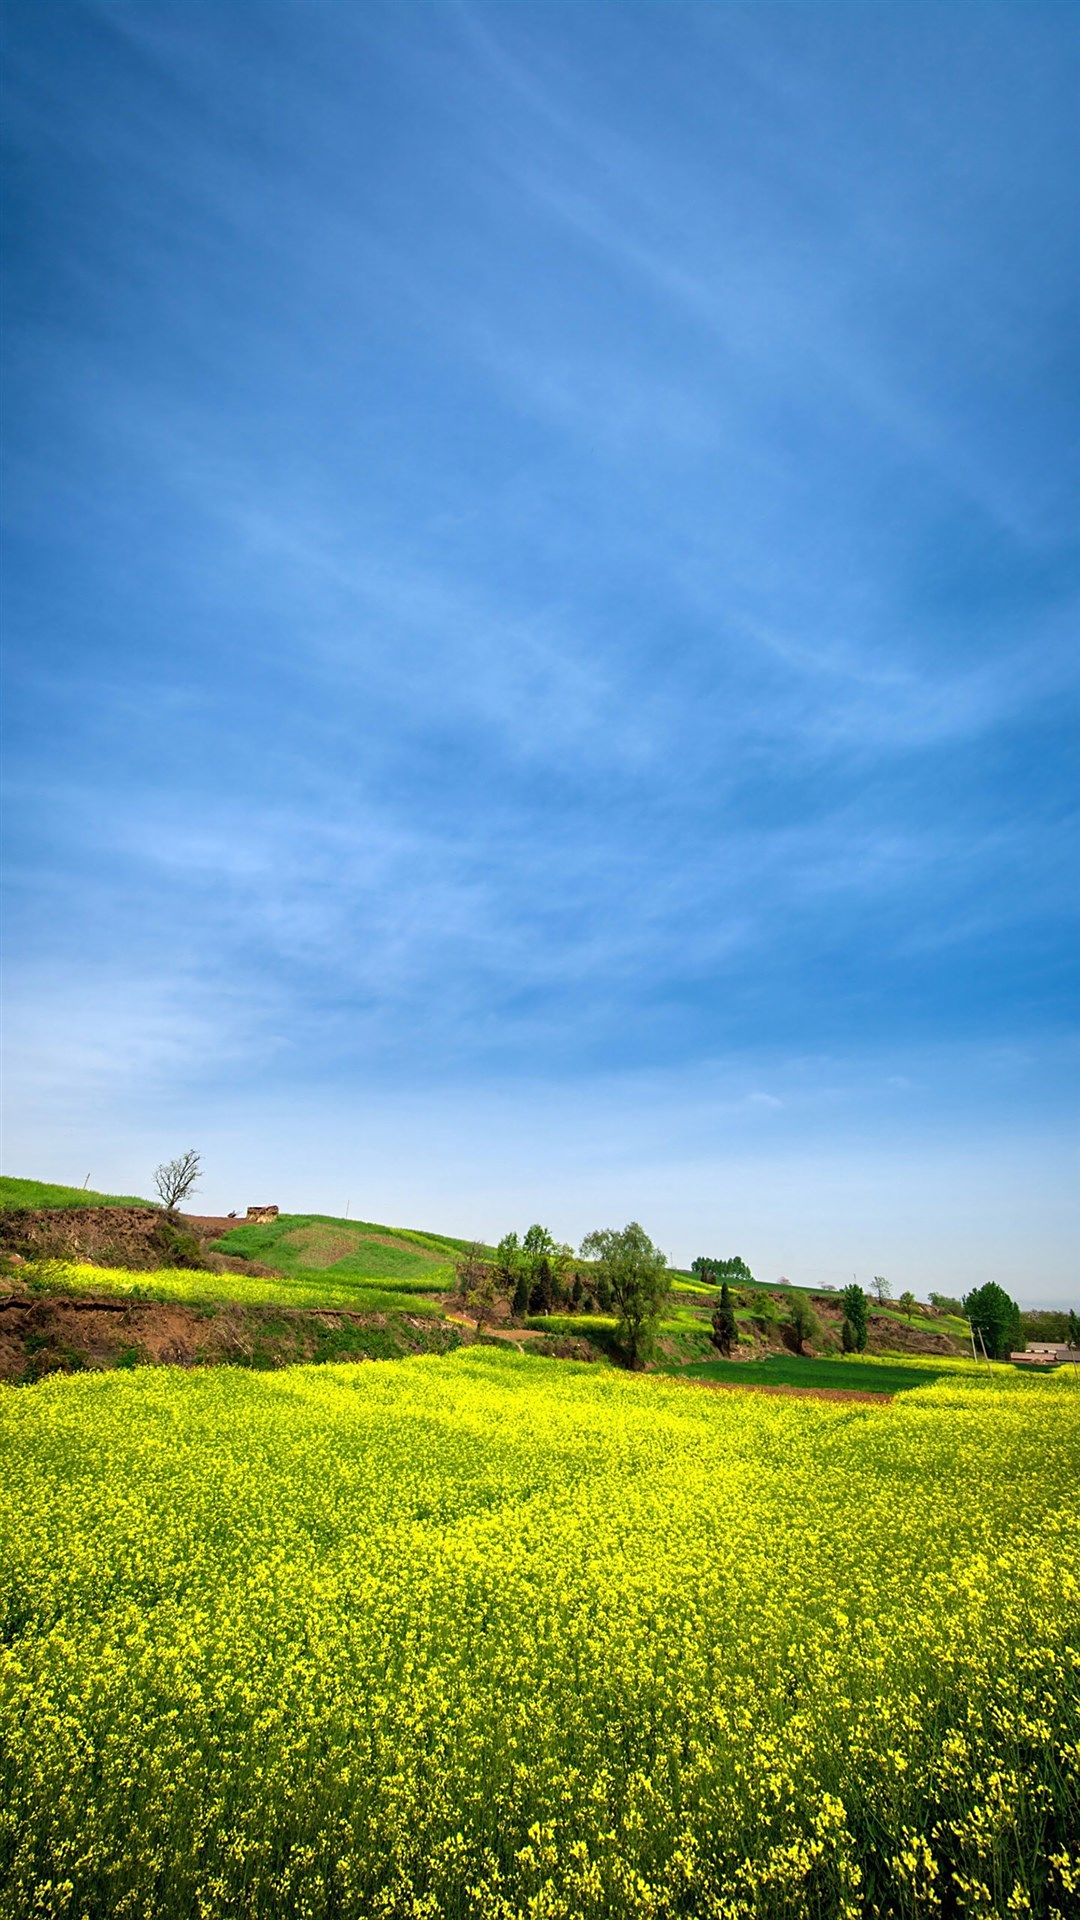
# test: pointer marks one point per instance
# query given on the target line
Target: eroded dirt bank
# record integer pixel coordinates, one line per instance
(54, 1333)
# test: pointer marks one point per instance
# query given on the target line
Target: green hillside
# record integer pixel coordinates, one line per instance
(950, 1323)
(42, 1193)
(324, 1261)
(312, 1244)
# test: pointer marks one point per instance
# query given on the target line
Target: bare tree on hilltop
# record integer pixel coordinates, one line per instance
(177, 1178)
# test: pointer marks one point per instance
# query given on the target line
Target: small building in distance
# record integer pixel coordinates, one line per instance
(260, 1216)
(1047, 1353)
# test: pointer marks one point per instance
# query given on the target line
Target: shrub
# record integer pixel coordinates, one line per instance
(853, 1301)
(802, 1320)
(176, 1244)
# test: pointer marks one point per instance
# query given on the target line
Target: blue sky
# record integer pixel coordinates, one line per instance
(541, 619)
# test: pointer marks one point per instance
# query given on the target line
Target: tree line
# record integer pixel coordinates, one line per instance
(621, 1271)
(625, 1274)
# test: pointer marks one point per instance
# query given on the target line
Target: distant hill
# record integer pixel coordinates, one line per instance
(313, 1262)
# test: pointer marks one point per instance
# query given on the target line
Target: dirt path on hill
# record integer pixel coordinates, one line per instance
(498, 1333)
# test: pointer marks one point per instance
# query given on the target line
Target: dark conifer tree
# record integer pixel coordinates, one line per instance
(725, 1330)
(853, 1301)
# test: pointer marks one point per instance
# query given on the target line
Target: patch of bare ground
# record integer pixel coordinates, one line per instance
(107, 1236)
(322, 1246)
(52, 1333)
(138, 1238)
(492, 1330)
(211, 1262)
(886, 1333)
(403, 1246)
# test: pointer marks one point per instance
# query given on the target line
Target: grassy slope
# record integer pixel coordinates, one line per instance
(950, 1323)
(314, 1244)
(40, 1193)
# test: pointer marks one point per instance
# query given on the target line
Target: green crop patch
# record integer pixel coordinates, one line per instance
(850, 1374)
(308, 1244)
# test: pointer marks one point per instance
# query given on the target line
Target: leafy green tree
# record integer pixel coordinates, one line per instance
(847, 1336)
(802, 1320)
(561, 1262)
(946, 1303)
(725, 1329)
(536, 1248)
(511, 1269)
(907, 1302)
(853, 1301)
(634, 1275)
(1051, 1323)
(995, 1317)
(1044, 1323)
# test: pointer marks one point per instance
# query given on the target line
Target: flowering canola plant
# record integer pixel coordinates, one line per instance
(194, 1287)
(495, 1636)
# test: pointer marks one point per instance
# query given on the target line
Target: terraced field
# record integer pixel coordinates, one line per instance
(303, 1244)
(194, 1287)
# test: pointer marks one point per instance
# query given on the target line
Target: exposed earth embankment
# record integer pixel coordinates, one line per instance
(52, 1333)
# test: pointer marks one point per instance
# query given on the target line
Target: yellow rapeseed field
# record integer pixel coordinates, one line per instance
(194, 1287)
(496, 1636)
